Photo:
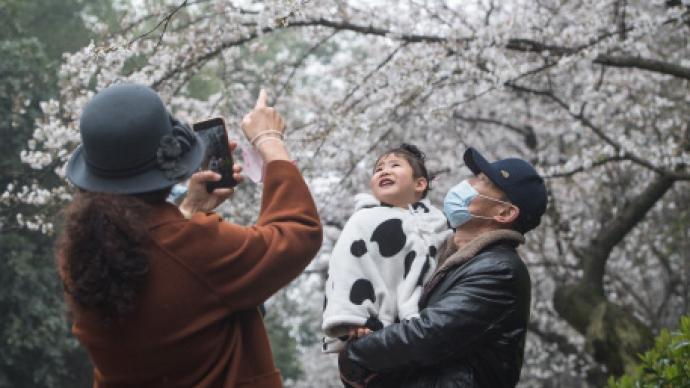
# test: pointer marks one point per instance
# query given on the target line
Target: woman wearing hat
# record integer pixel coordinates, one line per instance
(162, 296)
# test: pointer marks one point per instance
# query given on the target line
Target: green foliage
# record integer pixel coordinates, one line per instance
(667, 365)
(57, 24)
(283, 346)
(36, 347)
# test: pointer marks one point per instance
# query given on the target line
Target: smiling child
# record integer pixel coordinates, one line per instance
(385, 252)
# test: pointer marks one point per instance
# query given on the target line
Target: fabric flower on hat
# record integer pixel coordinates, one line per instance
(172, 148)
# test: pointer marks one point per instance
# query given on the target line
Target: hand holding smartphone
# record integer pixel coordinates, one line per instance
(217, 157)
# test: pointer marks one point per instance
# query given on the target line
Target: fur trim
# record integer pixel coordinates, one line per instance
(451, 256)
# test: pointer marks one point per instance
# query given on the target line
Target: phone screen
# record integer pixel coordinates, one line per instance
(217, 157)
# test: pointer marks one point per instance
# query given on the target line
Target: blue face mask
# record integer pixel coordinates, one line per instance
(456, 205)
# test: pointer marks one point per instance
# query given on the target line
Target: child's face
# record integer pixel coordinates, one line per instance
(393, 182)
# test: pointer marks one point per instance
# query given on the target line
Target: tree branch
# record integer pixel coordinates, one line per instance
(644, 64)
(381, 64)
(613, 233)
(164, 22)
(526, 132)
(299, 63)
(344, 26)
(371, 30)
(528, 45)
(579, 169)
(624, 154)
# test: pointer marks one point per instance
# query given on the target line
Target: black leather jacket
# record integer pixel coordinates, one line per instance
(471, 330)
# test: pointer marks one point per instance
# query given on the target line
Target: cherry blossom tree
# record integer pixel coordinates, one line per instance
(594, 93)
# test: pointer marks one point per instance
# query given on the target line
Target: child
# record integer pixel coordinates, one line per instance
(385, 252)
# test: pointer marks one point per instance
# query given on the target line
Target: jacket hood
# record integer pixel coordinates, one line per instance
(427, 218)
(364, 200)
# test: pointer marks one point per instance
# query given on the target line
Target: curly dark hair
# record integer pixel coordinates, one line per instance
(102, 251)
(416, 158)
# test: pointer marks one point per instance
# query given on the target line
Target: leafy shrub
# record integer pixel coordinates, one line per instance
(667, 365)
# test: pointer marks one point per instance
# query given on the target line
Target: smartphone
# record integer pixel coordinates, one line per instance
(217, 157)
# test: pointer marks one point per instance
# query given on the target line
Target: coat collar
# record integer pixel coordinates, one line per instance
(452, 256)
(163, 213)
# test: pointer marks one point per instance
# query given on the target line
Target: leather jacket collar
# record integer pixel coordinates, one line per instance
(451, 257)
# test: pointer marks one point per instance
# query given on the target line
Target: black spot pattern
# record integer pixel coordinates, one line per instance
(425, 269)
(417, 205)
(344, 337)
(362, 290)
(390, 237)
(358, 248)
(373, 324)
(432, 251)
(325, 302)
(409, 258)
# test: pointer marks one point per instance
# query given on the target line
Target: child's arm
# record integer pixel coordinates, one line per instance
(410, 289)
(355, 290)
(420, 264)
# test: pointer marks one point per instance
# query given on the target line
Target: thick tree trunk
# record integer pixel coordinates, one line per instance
(614, 337)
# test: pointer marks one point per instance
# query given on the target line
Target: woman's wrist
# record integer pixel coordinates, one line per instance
(270, 133)
(186, 210)
(272, 150)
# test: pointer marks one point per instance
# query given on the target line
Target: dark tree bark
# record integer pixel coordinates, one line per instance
(613, 335)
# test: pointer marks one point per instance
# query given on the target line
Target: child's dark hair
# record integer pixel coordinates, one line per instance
(416, 158)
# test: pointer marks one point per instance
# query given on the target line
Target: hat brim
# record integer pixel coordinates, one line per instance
(478, 164)
(150, 180)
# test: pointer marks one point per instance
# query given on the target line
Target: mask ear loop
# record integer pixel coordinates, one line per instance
(493, 199)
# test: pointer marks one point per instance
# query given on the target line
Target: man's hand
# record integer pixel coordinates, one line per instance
(199, 199)
(351, 372)
(357, 331)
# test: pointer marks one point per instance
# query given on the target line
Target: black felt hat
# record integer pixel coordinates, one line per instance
(520, 182)
(131, 144)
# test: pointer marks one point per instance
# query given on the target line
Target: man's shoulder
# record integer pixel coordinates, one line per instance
(498, 258)
(499, 252)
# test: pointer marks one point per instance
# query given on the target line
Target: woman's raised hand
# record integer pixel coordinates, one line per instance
(199, 199)
(264, 128)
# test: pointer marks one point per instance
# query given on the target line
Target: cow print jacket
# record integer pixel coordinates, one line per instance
(379, 264)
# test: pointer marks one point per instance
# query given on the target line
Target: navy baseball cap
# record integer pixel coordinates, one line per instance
(520, 182)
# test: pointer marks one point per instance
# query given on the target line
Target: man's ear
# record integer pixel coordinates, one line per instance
(420, 185)
(508, 214)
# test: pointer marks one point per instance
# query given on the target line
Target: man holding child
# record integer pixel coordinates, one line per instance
(475, 308)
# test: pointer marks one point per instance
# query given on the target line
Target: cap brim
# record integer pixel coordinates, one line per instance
(478, 164)
(151, 180)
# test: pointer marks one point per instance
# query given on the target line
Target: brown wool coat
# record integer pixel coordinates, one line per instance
(196, 323)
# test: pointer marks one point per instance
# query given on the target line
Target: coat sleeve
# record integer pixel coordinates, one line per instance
(355, 290)
(467, 315)
(244, 266)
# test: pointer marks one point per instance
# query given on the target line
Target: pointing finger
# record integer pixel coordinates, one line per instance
(262, 101)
